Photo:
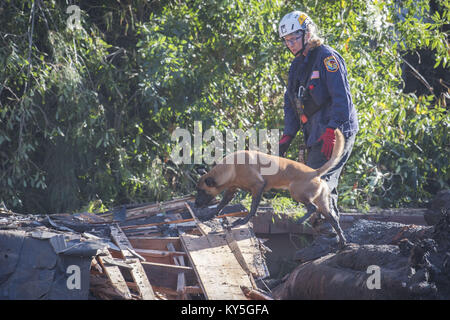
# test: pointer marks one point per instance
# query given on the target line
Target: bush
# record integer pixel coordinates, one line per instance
(87, 114)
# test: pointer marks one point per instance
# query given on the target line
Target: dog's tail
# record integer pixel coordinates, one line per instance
(335, 155)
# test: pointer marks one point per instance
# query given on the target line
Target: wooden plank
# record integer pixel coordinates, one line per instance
(157, 221)
(140, 278)
(155, 243)
(193, 290)
(166, 260)
(232, 244)
(149, 214)
(95, 265)
(164, 269)
(179, 221)
(158, 207)
(250, 250)
(181, 284)
(166, 275)
(166, 291)
(203, 228)
(101, 288)
(142, 233)
(116, 262)
(159, 256)
(172, 249)
(115, 276)
(181, 281)
(151, 208)
(157, 224)
(121, 240)
(170, 291)
(217, 269)
(137, 272)
(232, 214)
(160, 253)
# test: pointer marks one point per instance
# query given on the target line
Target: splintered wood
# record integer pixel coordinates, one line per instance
(206, 261)
(250, 249)
(137, 271)
(224, 259)
(216, 267)
(115, 276)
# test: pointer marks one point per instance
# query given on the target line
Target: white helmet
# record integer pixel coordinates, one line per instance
(294, 21)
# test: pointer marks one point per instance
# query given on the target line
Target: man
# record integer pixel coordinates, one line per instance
(317, 98)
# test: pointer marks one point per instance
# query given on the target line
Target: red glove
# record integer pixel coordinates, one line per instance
(329, 139)
(284, 144)
(285, 139)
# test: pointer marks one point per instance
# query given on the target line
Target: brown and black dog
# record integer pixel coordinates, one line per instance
(253, 171)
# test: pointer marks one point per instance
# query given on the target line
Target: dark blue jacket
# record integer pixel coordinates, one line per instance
(330, 88)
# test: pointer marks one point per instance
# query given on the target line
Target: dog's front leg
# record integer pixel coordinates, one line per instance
(227, 197)
(256, 199)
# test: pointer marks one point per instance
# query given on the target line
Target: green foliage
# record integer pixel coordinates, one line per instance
(279, 202)
(87, 114)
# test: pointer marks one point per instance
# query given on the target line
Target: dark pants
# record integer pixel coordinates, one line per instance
(316, 159)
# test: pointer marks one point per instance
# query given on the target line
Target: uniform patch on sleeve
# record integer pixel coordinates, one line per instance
(315, 75)
(331, 64)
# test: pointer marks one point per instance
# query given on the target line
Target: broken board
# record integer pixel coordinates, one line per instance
(115, 276)
(137, 271)
(219, 273)
(250, 249)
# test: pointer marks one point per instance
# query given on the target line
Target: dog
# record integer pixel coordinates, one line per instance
(303, 182)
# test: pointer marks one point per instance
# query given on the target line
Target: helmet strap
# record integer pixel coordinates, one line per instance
(300, 52)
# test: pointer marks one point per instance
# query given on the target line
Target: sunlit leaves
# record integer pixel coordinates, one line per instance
(89, 114)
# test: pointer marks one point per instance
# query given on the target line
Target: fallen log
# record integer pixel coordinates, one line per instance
(347, 276)
(382, 261)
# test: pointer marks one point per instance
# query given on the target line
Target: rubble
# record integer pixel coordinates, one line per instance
(35, 262)
(433, 214)
(170, 250)
(150, 252)
(413, 262)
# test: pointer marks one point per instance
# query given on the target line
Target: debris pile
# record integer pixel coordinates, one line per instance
(413, 262)
(155, 251)
(169, 250)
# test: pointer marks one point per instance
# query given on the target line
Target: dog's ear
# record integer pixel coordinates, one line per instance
(210, 182)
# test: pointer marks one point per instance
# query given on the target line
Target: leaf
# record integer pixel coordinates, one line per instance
(99, 142)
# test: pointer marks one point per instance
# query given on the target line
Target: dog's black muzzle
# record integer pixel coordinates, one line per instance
(202, 199)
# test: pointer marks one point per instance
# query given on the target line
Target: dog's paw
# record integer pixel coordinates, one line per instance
(207, 216)
(203, 217)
